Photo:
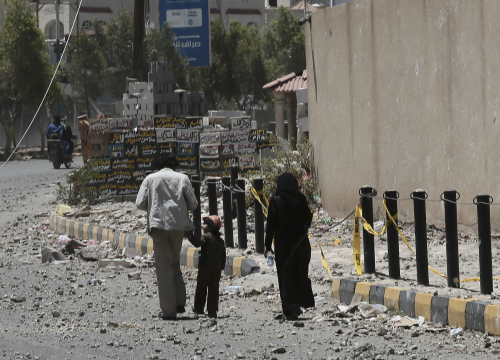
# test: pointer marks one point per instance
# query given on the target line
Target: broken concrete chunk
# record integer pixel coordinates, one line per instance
(94, 253)
(50, 255)
(114, 262)
(136, 275)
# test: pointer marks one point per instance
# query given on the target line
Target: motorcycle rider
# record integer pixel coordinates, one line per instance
(56, 131)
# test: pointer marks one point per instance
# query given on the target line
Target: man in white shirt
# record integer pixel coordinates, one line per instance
(167, 196)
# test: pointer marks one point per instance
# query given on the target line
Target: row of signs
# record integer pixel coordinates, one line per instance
(164, 122)
(203, 138)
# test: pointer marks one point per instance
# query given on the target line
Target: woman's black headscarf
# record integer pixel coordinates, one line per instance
(288, 190)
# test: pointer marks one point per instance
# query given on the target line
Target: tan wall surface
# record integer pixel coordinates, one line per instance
(404, 94)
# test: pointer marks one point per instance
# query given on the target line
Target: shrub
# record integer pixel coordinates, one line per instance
(78, 191)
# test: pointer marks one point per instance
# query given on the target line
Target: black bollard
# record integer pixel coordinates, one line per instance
(392, 234)
(419, 197)
(258, 184)
(212, 196)
(226, 208)
(196, 183)
(234, 176)
(368, 241)
(242, 214)
(484, 235)
(451, 228)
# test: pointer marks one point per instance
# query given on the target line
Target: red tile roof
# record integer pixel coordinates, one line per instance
(289, 83)
(243, 12)
(96, 10)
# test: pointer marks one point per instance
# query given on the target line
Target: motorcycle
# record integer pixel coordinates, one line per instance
(57, 155)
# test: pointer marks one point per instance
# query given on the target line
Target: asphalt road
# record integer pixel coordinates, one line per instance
(16, 174)
(60, 316)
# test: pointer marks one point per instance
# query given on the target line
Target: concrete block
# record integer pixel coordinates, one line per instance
(131, 198)
(492, 319)
(439, 309)
(130, 101)
(146, 112)
(407, 302)
(391, 297)
(145, 101)
(377, 293)
(474, 315)
(423, 305)
(195, 98)
(183, 258)
(156, 77)
(170, 86)
(172, 98)
(456, 312)
(228, 270)
(363, 290)
(335, 291)
(158, 98)
(169, 76)
(347, 287)
(249, 266)
(131, 252)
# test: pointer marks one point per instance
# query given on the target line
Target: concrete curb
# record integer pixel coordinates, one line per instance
(37, 154)
(237, 266)
(456, 312)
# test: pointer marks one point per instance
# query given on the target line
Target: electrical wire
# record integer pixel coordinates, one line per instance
(48, 89)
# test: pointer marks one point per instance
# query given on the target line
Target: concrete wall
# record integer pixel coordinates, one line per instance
(405, 95)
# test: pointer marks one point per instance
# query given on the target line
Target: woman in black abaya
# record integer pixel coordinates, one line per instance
(288, 222)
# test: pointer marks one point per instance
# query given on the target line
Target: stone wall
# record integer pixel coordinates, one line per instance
(405, 95)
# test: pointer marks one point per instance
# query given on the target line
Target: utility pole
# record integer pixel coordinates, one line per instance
(137, 57)
(58, 36)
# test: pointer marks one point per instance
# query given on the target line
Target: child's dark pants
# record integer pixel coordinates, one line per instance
(208, 277)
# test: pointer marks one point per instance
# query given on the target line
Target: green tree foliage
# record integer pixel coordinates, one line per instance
(238, 71)
(284, 44)
(25, 72)
(86, 66)
(115, 41)
(297, 162)
(160, 46)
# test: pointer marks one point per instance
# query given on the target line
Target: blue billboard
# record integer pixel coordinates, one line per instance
(190, 22)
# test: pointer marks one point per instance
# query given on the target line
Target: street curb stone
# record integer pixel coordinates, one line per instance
(237, 266)
(457, 312)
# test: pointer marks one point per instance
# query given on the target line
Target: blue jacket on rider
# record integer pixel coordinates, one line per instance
(55, 129)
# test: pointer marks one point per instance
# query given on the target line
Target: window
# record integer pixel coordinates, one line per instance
(87, 25)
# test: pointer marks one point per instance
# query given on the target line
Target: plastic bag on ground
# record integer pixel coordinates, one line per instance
(63, 239)
(378, 225)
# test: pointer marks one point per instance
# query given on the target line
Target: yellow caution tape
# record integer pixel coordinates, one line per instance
(392, 219)
(256, 194)
(325, 263)
(356, 247)
(369, 228)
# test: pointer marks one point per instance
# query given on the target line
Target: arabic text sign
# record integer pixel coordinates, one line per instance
(165, 135)
(122, 164)
(194, 123)
(187, 161)
(258, 135)
(116, 124)
(166, 148)
(99, 125)
(116, 151)
(149, 150)
(246, 161)
(210, 138)
(234, 137)
(210, 165)
(186, 148)
(132, 150)
(148, 137)
(170, 122)
(209, 151)
(189, 20)
(188, 135)
(241, 123)
(227, 163)
(120, 176)
(226, 151)
(100, 164)
(246, 148)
